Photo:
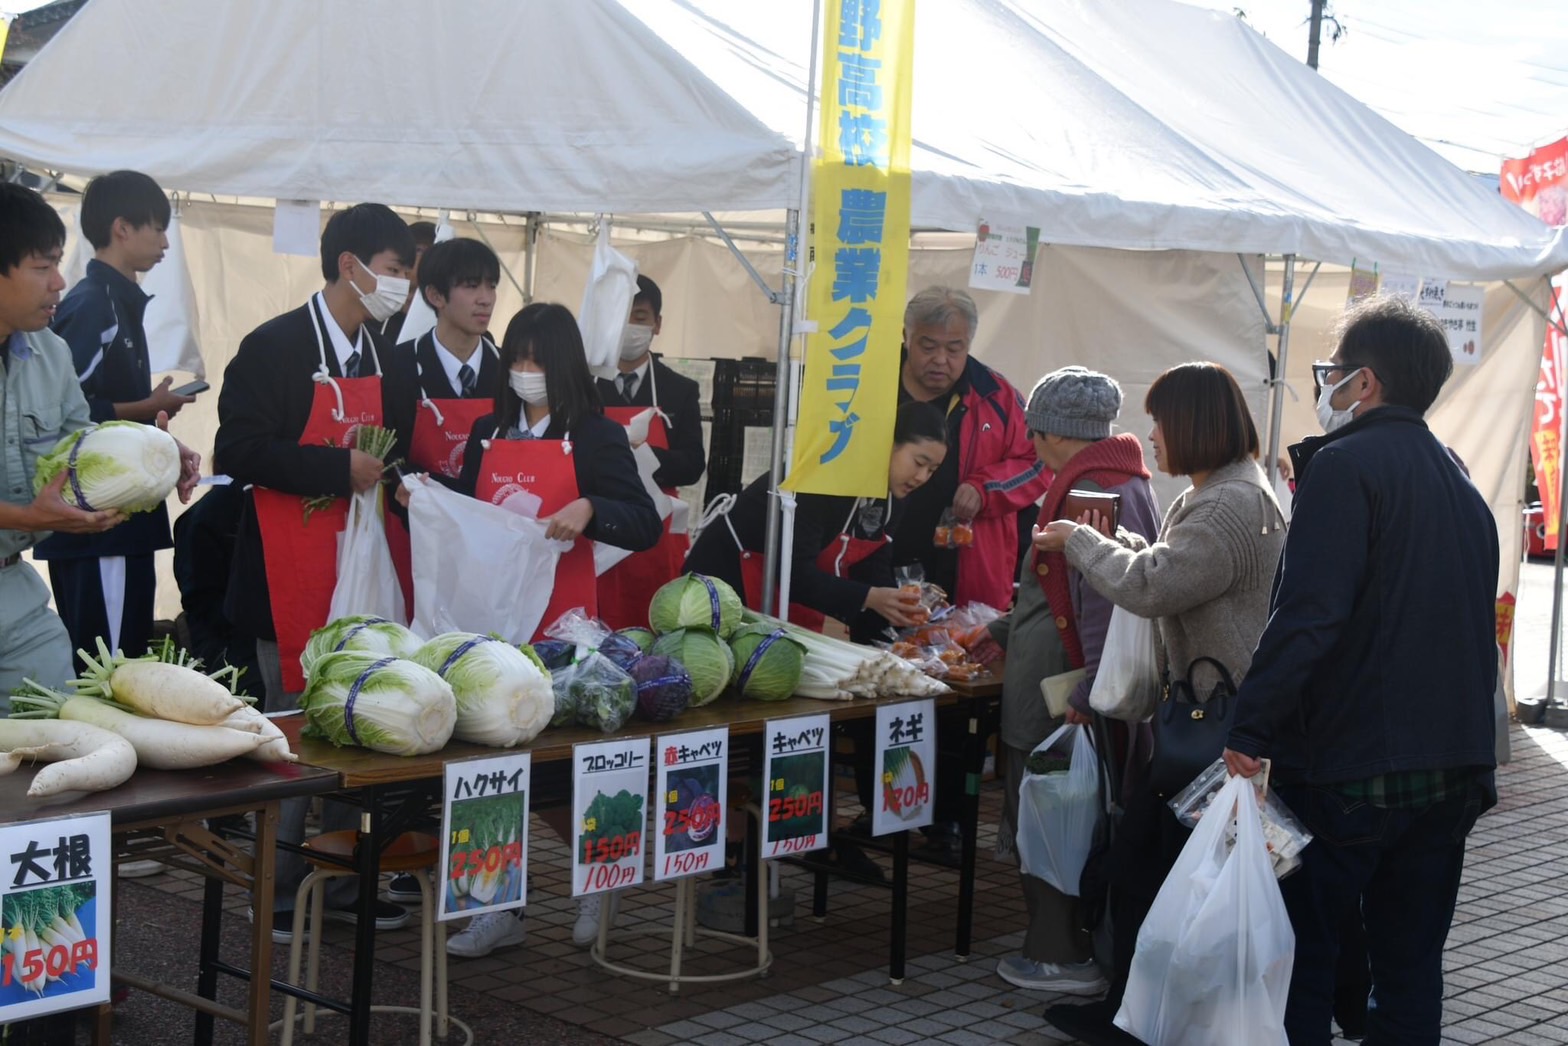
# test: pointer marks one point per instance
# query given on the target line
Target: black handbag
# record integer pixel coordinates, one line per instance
(1189, 733)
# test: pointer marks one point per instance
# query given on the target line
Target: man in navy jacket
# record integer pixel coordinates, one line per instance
(1372, 685)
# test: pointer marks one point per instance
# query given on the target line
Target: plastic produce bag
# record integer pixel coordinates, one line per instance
(1283, 834)
(367, 581)
(1058, 812)
(1127, 685)
(477, 567)
(607, 299)
(598, 693)
(1214, 955)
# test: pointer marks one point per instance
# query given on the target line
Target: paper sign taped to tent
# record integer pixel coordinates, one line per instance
(296, 227)
(1004, 257)
(1457, 307)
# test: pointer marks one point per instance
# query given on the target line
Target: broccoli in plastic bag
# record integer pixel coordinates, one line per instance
(597, 693)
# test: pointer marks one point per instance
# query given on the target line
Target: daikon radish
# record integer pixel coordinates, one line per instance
(156, 688)
(275, 747)
(83, 757)
(159, 743)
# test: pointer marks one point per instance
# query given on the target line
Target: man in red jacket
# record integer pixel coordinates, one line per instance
(991, 472)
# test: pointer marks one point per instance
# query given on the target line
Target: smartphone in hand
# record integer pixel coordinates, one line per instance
(192, 389)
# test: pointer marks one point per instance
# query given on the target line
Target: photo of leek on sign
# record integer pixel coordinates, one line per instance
(609, 798)
(906, 764)
(484, 835)
(796, 772)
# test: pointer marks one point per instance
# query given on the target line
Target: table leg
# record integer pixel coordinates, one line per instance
(974, 766)
(264, 860)
(368, 859)
(207, 952)
(900, 907)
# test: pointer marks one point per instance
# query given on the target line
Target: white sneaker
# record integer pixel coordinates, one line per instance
(586, 928)
(485, 933)
(1069, 978)
(138, 869)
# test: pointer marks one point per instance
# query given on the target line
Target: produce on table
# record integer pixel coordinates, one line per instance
(44, 923)
(153, 687)
(160, 743)
(836, 670)
(81, 757)
(486, 850)
(503, 694)
(707, 659)
(362, 632)
(768, 662)
(386, 704)
(121, 465)
(643, 637)
(695, 600)
(555, 653)
(600, 694)
(275, 745)
(622, 650)
(663, 687)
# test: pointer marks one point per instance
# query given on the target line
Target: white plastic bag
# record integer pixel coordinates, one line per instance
(607, 300)
(477, 567)
(367, 581)
(1214, 955)
(1127, 684)
(606, 556)
(1058, 813)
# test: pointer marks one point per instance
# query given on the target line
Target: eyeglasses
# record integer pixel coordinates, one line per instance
(1321, 369)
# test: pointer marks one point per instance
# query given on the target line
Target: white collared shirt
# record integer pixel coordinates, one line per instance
(451, 364)
(341, 346)
(642, 376)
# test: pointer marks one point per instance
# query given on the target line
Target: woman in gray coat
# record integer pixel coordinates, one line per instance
(1205, 580)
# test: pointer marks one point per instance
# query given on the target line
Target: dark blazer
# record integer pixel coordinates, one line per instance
(685, 461)
(101, 320)
(414, 371)
(265, 402)
(623, 514)
(819, 520)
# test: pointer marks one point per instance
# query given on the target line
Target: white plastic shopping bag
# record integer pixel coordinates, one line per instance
(607, 300)
(1058, 813)
(606, 556)
(477, 567)
(1127, 683)
(1214, 955)
(367, 581)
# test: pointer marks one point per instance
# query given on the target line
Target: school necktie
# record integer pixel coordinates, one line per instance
(467, 379)
(351, 365)
(628, 385)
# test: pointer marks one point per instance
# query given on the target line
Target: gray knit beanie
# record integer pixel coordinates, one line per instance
(1075, 402)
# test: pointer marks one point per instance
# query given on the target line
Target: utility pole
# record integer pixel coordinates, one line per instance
(1315, 34)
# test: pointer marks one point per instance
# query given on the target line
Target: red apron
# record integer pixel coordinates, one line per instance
(441, 430)
(840, 554)
(544, 468)
(626, 589)
(302, 557)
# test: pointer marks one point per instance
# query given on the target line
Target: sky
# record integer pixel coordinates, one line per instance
(1475, 82)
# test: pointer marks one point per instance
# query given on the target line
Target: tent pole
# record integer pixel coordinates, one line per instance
(1555, 322)
(1557, 597)
(1269, 326)
(756, 277)
(781, 390)
(530, 254)
(1276, 419)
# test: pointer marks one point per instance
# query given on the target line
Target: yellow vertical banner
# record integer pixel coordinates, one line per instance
(860, 249)
(5, 31)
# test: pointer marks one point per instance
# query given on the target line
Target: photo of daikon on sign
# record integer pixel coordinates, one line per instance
(51, 945)
(691, 807)
(486, 852)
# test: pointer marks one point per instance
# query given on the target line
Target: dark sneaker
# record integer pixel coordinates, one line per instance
(389, 916)
(404, 889)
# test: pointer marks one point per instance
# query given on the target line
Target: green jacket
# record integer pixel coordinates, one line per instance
(41, 402)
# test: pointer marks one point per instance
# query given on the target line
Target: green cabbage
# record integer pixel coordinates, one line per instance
(706, 657)
(362, 632)
(382, 703)
(643, 637)
(121, 465)
(695, 600)
(767, 662)
(503, 693)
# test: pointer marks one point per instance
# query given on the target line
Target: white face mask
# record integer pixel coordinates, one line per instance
(1332, 420)
(386, 299)
(635, 339)
(529, 386)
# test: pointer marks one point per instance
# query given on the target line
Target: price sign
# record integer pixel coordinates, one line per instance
(691, 790)
(1457, 307)
(906, 766)
(54, 907)
(796, 772)
(610, 810)
(484, 835)
(1004, 257)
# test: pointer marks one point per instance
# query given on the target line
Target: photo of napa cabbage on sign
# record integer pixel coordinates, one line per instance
(906, 765)
(484, 835)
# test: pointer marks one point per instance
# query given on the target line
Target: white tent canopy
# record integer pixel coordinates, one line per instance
(1141, 124)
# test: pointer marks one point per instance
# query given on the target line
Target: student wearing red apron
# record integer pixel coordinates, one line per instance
(548, 447)
(675, 437)
(297, 387)
(439, 384)
(842, 565)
